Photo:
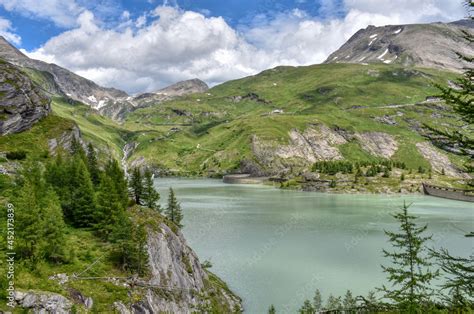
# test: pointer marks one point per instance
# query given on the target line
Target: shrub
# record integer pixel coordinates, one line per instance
(16, 155)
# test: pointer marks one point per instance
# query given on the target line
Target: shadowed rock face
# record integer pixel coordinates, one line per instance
(22, 103)
(427, 45)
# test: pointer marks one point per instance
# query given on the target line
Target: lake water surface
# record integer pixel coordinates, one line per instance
(276, 246)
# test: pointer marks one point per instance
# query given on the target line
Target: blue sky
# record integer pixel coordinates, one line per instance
(143, 45)
(35, 30)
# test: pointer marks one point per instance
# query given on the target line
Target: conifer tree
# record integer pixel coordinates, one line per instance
(349, 302)
(307, 308)
(113, 171)
(56, 176)
(333, 303)
(28, 239)
(53, 232)
(150, 195)
(461, 98)
(39, 220)
(459, 273)
(317, 301)
(271, 310)
(77, 150)
(136, 185)
(408, 272)
(173, 211)
(83, 200)
(130, 245)
(92, 165)
(109, 207)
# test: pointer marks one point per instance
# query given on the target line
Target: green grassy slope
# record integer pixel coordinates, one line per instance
(101, 131)
(215, 128)
(35, 140)
(210, 133)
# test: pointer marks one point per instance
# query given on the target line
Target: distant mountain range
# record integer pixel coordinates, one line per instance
(424, 45)
(111, 102)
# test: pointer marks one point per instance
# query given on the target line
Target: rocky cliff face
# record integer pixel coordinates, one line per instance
(177, 282)
(317, 143)
(22, 103)
(176, 269)
(427, 45)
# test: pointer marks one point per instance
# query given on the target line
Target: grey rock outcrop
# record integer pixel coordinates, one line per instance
(439, 161)
(40, 302)
(64, 141)
(316, 143)
(378, 143)
(427, 45)
(22, 103)
(175, 268)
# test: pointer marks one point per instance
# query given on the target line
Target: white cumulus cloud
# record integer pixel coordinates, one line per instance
(6, 31)
(61, 12)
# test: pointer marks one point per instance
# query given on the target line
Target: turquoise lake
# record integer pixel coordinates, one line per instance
(275, 246)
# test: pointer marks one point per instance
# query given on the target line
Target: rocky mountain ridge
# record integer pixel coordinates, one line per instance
(426, 45)
(110, 102)
(68, 83)
(22, 103)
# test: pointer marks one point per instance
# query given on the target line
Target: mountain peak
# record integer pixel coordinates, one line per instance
(184, 88)
(426, 45)
(10, 52)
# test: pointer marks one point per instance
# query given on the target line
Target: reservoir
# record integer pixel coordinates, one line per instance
(275, 246)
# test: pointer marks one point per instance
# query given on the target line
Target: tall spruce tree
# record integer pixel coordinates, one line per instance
(409, 271)
(56, 175)
(334, 303)
(307, 308)
(150, 195)
(317, 301)
(113, 171)
(109, 207)
(173, 211)
(83, 202)
(92, 165)
(136, 185)
(349, 303)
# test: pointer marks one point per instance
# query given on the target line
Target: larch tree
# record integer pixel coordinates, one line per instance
(409, 271)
